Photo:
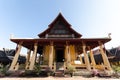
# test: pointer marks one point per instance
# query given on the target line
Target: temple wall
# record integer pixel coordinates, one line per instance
(54, 55)
(72, 53)
(46, 54)
(65, 54)
(68, 49)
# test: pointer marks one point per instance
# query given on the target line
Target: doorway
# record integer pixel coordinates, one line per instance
(60, 59)
(60, 55)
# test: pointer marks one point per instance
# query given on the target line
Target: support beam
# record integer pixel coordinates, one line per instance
(46, 54)
(68, 54)
(39, 58)
(86, 57)
(14, 64)
(81, 59)
(28, 59)
(51, 55)
(92, 58)
(17, 66)
(104, 56)
(33, 56)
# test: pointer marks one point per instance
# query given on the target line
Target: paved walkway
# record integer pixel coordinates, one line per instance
(58, 78)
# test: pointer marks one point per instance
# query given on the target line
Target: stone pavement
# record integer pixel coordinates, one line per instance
(58, 78)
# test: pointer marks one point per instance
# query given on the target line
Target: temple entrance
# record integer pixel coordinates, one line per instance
(60, 55)
(60, 59)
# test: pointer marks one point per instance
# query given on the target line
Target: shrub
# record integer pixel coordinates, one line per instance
(21, 66)
(37, 68)
(3, 69)
(28, 73)
(116, 68)
(70, 70)
(117, 71)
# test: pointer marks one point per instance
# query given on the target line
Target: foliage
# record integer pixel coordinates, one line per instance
(37, 68)
(31, 73)
(28, 73)
(37, 71)
(21, 66)
(116, 68)
(71, 69)
(3, 69)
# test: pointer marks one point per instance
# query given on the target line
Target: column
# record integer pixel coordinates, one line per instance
(39, 58)
(81, 59)
(14, 64)
(33, 56)
(104, 56)
(17, 66)
(68, 55)
(28, 59)
(51, 55)
(92, 58)
(87, 63)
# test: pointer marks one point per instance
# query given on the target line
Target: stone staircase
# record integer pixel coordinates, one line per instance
(59, 73)
(59, 69)
(59, 66)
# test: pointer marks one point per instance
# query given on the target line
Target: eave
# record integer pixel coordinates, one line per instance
(92, 42)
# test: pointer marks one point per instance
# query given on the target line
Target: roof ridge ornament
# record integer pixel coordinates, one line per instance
(60, 11)
(109, 35)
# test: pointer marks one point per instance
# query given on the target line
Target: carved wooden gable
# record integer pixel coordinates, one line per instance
(59, 28)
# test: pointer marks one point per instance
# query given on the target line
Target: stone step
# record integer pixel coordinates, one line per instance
(59, 73)
(82, 72)
(59, 65)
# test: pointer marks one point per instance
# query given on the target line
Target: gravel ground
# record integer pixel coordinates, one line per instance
(58, 78)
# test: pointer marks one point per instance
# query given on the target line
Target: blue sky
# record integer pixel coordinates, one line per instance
(27, 18)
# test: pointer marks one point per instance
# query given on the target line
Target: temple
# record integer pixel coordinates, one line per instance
(60, 46)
